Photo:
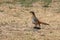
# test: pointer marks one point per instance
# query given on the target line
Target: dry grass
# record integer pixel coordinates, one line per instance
(15, 22)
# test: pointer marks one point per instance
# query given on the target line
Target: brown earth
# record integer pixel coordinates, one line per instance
(16, 24)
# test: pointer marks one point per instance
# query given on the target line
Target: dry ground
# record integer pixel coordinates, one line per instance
(15, 22)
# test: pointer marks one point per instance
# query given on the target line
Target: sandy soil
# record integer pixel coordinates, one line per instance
(16, 24)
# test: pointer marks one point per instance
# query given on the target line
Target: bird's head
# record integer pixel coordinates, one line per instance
(32, 12)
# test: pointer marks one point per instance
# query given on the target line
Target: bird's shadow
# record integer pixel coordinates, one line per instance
(37, 28)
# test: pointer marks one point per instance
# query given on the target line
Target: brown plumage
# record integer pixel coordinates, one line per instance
(36, 22)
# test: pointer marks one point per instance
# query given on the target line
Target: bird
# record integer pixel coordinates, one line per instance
(36, 22)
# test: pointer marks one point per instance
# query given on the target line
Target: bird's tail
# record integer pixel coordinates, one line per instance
(44, 23)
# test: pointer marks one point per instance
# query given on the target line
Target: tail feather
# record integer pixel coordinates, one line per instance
(44, 23)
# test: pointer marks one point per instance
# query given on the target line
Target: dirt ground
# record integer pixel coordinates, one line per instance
(16, 24)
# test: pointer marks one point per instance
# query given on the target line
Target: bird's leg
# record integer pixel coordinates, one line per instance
(37, 26)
